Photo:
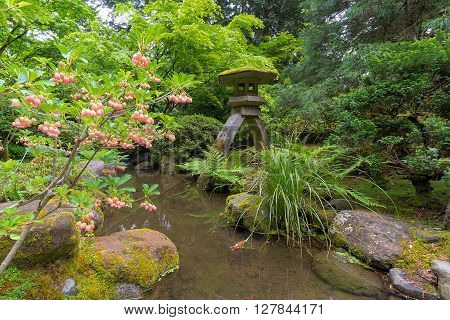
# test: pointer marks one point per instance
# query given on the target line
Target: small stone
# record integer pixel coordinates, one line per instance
(341, 250)
(69, 288)
(145, 166)
(128, 291)
(442, 271)
(430, 236)
(399, 280)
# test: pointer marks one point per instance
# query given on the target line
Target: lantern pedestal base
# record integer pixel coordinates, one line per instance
(232, 126)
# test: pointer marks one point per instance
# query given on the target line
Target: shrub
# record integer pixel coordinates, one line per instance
(195, 133)
(16, 151)
(297, 182)
(221, 171)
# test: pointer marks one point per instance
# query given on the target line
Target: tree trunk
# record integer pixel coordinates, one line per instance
(422, 184)
(5, 152)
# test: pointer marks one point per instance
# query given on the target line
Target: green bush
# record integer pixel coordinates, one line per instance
(194, 135)
(16, 151)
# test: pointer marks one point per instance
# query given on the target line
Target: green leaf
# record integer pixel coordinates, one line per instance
(22, 78)
(64, 50)
(123, 179)
(23, 4)
(14, 236)
(128, 189)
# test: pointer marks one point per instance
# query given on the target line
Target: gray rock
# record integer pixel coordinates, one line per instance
(399, 280)
(145, 166)
(430, 236)
(98, 219)
(95, 167)
(69, 288)
(341, 272)
(375, 238)
(128, 291)
(442, 271)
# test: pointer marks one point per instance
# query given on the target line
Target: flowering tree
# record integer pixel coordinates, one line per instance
(98, 112)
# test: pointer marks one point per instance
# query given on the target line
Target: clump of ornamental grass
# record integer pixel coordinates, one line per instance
(297, 183)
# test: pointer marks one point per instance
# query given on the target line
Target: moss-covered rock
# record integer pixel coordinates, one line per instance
(245, 209)
(343, 272)
(139, 257)
(377, 239)
(54, 237)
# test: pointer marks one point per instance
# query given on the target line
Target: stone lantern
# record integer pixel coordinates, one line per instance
(245, 105)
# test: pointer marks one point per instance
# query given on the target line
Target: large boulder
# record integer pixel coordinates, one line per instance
(344, 273)
(442, 271)
(245, 209)
(140, 256)
(54, 237)
(375, 238)
(402, 282)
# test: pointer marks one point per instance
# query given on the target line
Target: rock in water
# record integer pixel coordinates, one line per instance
(342, 273)
(244, 209)
(399, 280)
(128, 291)
(69, 288)
(55, 237)
(140, 256)
(375, 238)
(145, 166)
(442, 271)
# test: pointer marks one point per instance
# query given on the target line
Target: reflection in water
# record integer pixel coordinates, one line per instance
(164, 222)
(209, 269)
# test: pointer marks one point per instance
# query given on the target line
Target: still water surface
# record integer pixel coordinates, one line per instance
(208, 268)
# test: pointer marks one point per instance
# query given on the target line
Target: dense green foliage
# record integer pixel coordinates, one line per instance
(195, 133)
(373, 78)
(370, 77)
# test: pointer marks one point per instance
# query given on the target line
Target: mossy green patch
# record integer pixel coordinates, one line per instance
(55, 237)
(96, 271)
(418, 255)
(247, 68)
(15, 284)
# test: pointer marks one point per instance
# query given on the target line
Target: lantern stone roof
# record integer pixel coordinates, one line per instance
(230, 77)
